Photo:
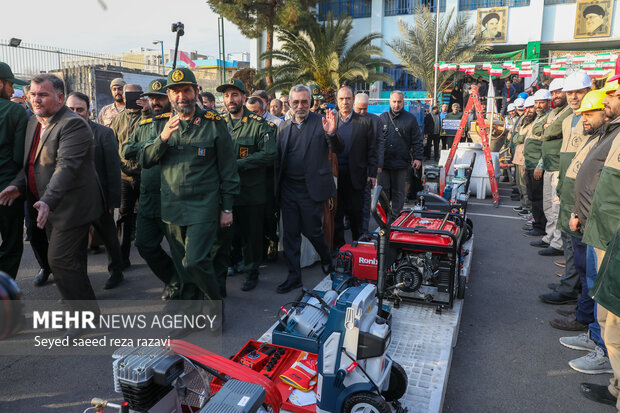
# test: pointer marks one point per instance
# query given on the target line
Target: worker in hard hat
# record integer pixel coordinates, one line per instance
(521, 132)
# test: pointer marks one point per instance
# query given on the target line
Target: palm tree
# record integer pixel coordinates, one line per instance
(416, 47)
(321, 54)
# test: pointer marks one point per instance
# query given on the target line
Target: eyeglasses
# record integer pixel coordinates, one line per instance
(300, 102)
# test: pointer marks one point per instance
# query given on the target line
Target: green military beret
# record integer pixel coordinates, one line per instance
(183, 76)
(156, 87)
(232, 83)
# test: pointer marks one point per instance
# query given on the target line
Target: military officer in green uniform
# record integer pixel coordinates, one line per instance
(13, 121)
(199, 182)
(316, 99)
(151, 229)
(254, 146)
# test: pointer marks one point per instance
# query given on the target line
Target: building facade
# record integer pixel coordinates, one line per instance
(559, 25)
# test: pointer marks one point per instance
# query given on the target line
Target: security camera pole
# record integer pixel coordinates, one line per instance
(179, 28)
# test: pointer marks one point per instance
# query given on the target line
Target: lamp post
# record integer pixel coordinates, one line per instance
(163, 66)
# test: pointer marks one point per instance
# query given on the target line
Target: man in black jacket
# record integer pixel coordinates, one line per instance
(357, 165)
(432, 127)
(304, 181)
(403, 149)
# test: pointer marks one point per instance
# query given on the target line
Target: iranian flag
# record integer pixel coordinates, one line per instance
(555, 66)
(557, 73)
(526, 65)
(486, 66)
(526, 73)
(467, 67)
(588, 66)
(609, 65)
(547, 70)
(561, 60)
(603, 57)
(495, 70)
(579, 59)
(443, 66)
(597, 73)
(514, 70)
(508, 64)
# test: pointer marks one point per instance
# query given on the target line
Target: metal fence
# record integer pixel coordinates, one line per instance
(27, 59)
(354, 8)
(398, 7)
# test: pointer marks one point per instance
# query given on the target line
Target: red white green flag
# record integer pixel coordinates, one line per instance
(557, 73)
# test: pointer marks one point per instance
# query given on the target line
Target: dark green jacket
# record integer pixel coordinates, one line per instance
(13, 122)
(124, 125)
(148, 130)
(606, 288)
(552, 138)
(605, 213)
(254, 144)
(199, 176)
(567, 191)
(573, 136)
(533, 144)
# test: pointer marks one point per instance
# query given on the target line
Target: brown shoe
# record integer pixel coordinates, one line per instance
(569, 323)
(566, 310)
(559, 273)
(560, 263)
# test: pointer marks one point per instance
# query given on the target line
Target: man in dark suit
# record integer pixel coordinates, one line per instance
(109, 174)
(304, 181)
(58, 174)
(357, 165)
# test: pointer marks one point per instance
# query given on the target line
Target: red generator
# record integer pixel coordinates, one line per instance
(423, 257)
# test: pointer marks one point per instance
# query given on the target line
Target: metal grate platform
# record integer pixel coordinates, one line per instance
(422, 342)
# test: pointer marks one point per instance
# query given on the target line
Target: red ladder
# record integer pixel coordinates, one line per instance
(475, 100)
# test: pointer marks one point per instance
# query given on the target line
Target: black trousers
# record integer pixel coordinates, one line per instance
(249, 220)
(67, 255)
(107, 232)
(351, 204)
(130, 191)
(301, 215)
(432, 140)
(12, 234)
(446, 142)
(535, 193)
(37, 236)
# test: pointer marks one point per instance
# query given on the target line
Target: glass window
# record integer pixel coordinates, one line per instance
(356, 9)
(402, 80)
(477, 4)
(397, 7)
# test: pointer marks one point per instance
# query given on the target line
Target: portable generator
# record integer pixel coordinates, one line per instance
(423, 252)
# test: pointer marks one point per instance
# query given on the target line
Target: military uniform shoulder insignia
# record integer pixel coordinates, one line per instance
(271, 124)
(163, 115)
(245, 119)
(211, 116)
(145, 121)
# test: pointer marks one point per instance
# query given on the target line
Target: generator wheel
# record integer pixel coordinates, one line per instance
(468, 227)
(398, 383)
(461, 289)
(366, 402)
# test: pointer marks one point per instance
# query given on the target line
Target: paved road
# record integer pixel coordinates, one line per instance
(508, 358)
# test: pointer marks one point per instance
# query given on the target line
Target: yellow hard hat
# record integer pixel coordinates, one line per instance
(593, 100)
(610, 87)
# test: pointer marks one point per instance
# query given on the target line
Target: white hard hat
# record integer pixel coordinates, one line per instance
(542, 94)
(556, 84)
(519, 103)
(529, 102)
(18, 93)
(577, 81)
(511, 107)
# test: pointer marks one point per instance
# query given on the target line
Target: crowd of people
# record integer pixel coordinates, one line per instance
(564, 143)
(165, 163)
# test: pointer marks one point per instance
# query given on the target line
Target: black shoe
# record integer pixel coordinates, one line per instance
(288, 285)
(524, 212)
(114, 280)
(327, 268)
(125, 265)
(249, 285)
(553, 286)
(550, 252)
(557, 299)
(527, 227)
(567, 310)
(517, 208)
(598, 393)
(535, 233)
(515, 197)
(41, 277)
(539, 244)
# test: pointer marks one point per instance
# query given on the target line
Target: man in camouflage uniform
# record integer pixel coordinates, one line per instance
(109, 112)
(254, 146)
(199, 182)
(150, 229)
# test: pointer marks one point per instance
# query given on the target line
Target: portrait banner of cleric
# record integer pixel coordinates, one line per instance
(492, 24)
(593, 18)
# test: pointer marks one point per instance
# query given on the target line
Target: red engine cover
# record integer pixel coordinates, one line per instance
(364, 260)
(417, 238)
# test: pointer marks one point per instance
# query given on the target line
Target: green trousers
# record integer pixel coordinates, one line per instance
(191, 247)
(12, 234)
(220, 255)
(150, 233)
(521, 186)
(250, 220)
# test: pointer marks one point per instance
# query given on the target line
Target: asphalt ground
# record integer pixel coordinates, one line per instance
(507, 358)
